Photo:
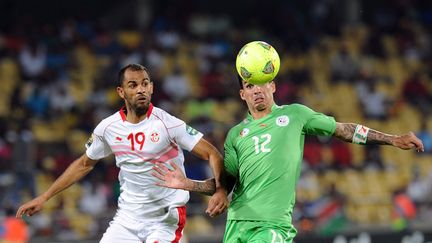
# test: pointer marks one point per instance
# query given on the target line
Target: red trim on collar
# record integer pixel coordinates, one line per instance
(123, 114)
(150, 109)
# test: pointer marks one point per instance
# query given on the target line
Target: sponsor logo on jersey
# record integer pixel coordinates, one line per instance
(154, 137)
(282, 121)
(118, 139)
(191, 130)
(89, 141)
(244, 132)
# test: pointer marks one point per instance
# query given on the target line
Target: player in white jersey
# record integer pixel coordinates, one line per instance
(140, 136)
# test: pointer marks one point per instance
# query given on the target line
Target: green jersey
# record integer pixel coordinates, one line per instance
(265, 156)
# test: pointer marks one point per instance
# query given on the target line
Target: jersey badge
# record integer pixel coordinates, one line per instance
(282, 121)
(244, 132)
(89, 141)
(191, 130)
(154, 137)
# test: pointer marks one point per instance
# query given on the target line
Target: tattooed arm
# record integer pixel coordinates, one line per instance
(346, 132)
(206, 187)
(174, 178)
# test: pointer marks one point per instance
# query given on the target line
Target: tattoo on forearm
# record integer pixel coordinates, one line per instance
(376, 137)
(207, 187)
(345, 132)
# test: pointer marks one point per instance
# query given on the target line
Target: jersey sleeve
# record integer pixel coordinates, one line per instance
(97, 147)
(182, 134)
(316, 123)
(230, 156)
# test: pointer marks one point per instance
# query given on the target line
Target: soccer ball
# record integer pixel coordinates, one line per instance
(257, 62)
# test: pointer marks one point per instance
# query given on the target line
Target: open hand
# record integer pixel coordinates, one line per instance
(171, 178)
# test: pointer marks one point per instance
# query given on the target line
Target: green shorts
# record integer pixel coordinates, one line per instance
(243, 231)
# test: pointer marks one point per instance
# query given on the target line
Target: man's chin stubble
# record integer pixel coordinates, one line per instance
(261, 107)
(141, 110)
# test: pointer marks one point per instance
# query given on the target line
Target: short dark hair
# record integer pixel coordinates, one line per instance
(132, 67)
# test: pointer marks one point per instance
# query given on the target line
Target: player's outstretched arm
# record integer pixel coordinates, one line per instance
(174, 178)
(77, 170)
(360, 134)
(206, 151)
(218, 202)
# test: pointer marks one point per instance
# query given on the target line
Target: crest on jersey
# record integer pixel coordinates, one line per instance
(191, 130)
(154, 137)
(244, 132)
(282, 121)
(89, 141)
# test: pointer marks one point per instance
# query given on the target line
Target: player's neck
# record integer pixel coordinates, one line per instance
(260, 114)
(134, 117)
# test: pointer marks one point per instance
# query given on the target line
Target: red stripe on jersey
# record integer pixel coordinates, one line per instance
(170, 154)
(126, 147)
(122, 148)
(120, 153)
(163, 157)
(150, 109)
(181, 224)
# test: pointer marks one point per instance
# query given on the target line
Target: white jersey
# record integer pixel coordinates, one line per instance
(160, 137)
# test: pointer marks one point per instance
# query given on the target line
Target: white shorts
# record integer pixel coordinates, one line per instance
(154, 232)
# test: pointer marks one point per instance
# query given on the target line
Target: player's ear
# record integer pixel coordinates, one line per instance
(120, 92)
(151, 88)
(273, 86)
(241, 92)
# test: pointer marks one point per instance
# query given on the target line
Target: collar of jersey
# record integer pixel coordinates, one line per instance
(250, 117)
(123, 112)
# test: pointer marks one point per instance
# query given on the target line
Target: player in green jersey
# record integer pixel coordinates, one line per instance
(263, 156)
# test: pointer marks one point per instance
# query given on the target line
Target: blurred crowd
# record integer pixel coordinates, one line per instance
(58, 81)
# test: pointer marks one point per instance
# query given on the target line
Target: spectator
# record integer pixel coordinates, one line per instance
(342, 156)
(176, 85)
(373, 159)
(23, 160)
(14, 230)
(415, 92)
(425, 134)
(374, 103)
(344, 66)
(94, 198)
(33, 58)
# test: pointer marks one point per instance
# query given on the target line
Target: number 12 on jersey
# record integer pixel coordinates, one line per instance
(261, 142)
